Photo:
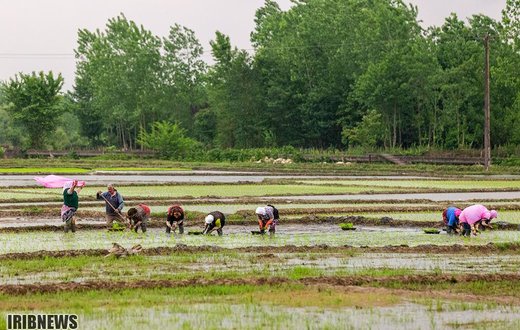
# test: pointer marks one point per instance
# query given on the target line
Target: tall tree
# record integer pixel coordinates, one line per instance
(234, 95)
(182, 75)
(34, 103)
(118, 69)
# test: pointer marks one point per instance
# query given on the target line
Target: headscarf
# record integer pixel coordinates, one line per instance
(209, 219)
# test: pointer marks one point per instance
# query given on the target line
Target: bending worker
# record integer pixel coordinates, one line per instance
(174, 219)
(266, 218)
(138, 217)
(472, 216)
(450, 216)
(214, 221)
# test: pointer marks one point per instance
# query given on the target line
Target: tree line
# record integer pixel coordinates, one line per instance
(323, 74)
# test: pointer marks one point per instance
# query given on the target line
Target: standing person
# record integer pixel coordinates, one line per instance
(138, 217)
(473, 215)
(450, 216)
(70, 205)
(267, 218)
(214, 221)
(113, 204)
(174, 219)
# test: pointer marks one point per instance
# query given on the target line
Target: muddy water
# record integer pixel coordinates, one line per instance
(260, 316)
(240, 236)
(280, 264)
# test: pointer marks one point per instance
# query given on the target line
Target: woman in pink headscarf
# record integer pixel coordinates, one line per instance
(474, 215)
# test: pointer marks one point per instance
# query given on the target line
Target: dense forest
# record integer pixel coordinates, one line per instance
(323, 74)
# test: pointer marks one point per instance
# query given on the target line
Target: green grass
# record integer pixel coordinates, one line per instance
(44, 170)
(449, 184)
(346, 226)
(116, 169)
(220, 190)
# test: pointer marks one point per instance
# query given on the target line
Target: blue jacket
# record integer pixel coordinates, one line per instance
(450, 214)
(116, 201)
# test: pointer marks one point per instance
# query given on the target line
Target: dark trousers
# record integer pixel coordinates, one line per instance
(180, 225)
(466, 229)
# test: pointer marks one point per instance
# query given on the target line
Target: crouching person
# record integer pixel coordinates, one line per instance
(473, 216)
(486, 222)
(175, 219)
(267, 218)
(138, 217)
(451, 219)
(214, 221)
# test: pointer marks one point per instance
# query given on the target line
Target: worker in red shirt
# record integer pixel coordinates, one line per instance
(138, 217)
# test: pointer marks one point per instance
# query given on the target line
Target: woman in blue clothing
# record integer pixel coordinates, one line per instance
(450, 216)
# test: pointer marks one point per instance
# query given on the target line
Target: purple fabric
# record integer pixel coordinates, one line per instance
(55, 181)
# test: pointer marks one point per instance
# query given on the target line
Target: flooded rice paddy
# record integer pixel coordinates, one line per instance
(311, 260)
(240, 236)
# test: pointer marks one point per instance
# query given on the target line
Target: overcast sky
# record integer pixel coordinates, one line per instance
(40, 35)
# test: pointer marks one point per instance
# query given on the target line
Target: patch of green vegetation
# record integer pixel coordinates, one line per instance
(347, 226)
(220, 190)
(431, 231)
(299, 272)
(43, 170)
(483, 288)
(451, 184)
(138, 169)
(33, 210)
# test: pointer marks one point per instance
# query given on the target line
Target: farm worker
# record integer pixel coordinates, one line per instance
(113, 204)
(139, 216)
(450, 216)
(473, 215)
(214, 221)
(70, 204)
(267, 218)
(486, 222)
(174, 219)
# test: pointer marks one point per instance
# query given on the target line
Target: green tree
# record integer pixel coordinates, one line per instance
(204, 126)
(117, 80)
(182, 76)
(169, 140)
(369, 133)
(34, 102)
(234, 95)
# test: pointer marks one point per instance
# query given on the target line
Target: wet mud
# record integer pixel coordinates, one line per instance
(39, 288)
(490, 248)
(90, 224)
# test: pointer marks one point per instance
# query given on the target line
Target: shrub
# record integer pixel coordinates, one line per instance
(169, 140)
